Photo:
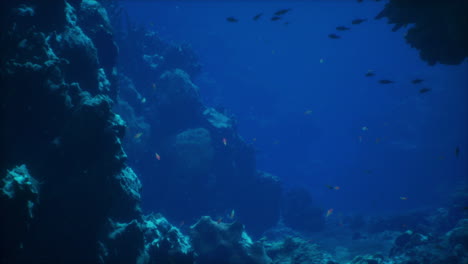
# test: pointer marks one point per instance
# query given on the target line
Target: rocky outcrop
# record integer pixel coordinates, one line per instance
(438, 28)
(218, 242)
(202, 164)
(300, 213)
(58, 123)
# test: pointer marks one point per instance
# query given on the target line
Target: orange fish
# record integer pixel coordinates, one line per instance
(403, 198)
(224, 141)
(138, 135)
(333, 187)
(219, 220)
(157, 156)
(329, 212)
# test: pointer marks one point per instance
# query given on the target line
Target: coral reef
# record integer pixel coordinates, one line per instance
(217, 242)
(205, 167)
(438, 28)
(56, 108)
(297, 250)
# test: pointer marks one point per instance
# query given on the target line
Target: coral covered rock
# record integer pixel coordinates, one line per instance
(217, 242)
(300, 213)
(193, 152)
(297, 250)
(19, 196)
(164, 242)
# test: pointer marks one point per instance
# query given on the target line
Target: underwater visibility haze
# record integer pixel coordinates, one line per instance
(234, 132)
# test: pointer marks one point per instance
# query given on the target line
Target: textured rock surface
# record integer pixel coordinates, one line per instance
(205, 167)
(217, 242)
(439, 30)
(57, 119)
(296, 250)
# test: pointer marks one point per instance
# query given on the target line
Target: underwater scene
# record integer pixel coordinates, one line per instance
(234, 131)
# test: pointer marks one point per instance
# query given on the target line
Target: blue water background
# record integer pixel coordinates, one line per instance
(268, 74)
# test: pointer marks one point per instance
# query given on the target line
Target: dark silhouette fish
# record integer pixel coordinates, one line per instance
(282, 11)
(334, 36)
(370, 74)
(359, 1)
(385, 81)
(358, 21)
(275, 18)
(416, 81)
(342, 28)
(232, 19)
(424, 90)
(257, 16)
(457, 151)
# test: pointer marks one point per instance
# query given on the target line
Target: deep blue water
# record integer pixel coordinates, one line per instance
(269, 74)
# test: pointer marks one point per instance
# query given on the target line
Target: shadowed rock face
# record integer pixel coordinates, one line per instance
(68, 194)
(438, 28)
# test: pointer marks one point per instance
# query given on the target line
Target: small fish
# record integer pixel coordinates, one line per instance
(358, 21)
(275, 18)
(368, 171)
(342, 28)
(377, 140)
(219, 220)
(329, 212)
(416, 81)
(308, 112)
(364, 128)
(424, 90)
(231, 216)
(282, 11)
(276, 142)
(232, 19)
(403, 198)
(138, 135)
(334, 36)
(154, 86)
(457, 151)
(359, 1)
(156, 155)
(224, 141)
(321, 60)
(370, 73)
(360, 139)
(336, 188)
(257, 16)
(143, 100)
(385, 81)
(286, 23)
(254, 139)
